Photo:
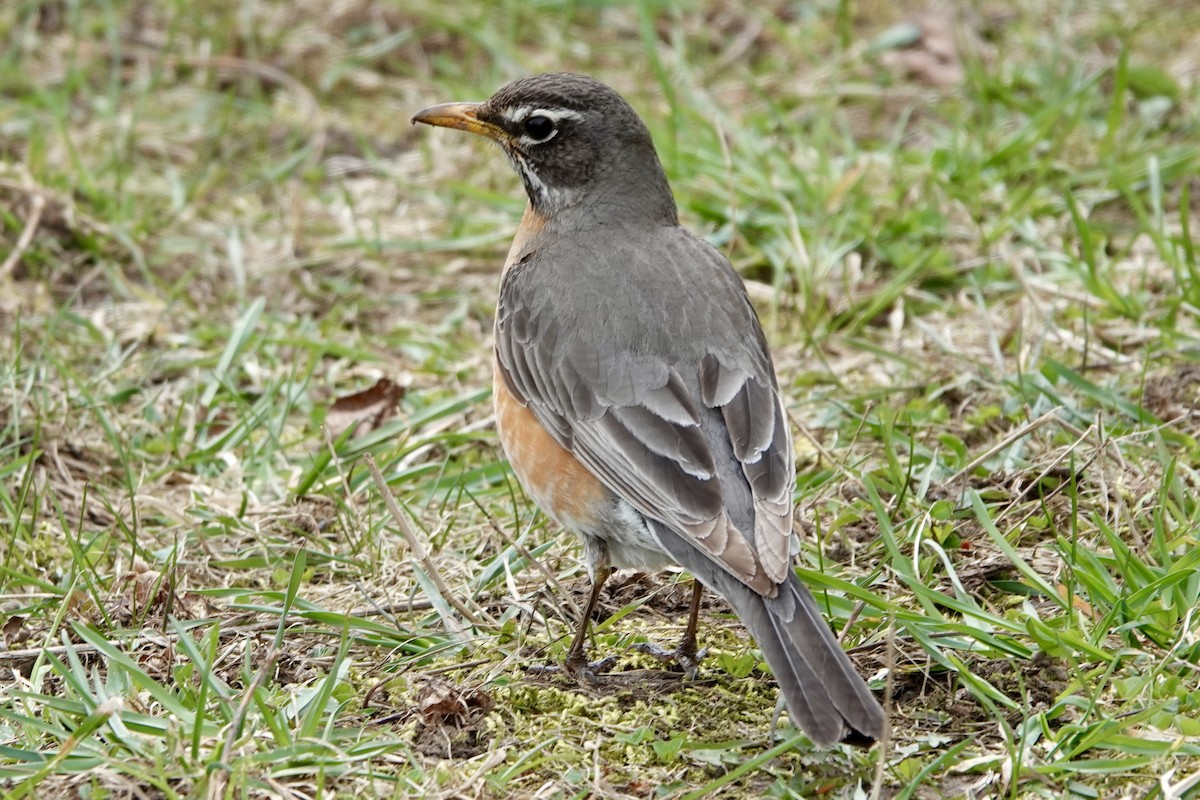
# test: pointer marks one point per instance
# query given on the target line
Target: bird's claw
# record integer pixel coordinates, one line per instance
(589, 672)
(687, 657)
(582, 670)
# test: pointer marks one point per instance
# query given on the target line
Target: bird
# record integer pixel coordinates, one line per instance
(635, 395)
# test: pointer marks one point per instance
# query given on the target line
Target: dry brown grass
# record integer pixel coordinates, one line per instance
(970, 236)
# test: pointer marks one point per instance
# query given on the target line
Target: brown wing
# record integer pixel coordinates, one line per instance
(650, 366)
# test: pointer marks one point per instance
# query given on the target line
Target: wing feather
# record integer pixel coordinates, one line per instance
(674, 409)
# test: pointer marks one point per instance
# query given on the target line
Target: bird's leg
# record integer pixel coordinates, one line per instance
(686, 655)
(577, 663)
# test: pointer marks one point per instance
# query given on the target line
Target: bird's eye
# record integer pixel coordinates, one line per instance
(539, 128)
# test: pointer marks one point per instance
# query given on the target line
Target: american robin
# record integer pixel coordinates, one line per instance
(635, 395)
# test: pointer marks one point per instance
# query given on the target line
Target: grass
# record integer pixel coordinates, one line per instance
(972, 241)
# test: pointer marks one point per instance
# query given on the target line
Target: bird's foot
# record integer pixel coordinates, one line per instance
(588, 672)
(578, 667)
(685, 655)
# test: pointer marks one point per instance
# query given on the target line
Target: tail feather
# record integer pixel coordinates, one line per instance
(803, 690)
(825, 695)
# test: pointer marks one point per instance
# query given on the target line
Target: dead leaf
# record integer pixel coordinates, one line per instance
(142, 589)
(14, 631)
(214, 423)
(364, 411)
(924, 49)
(451, 723)
(440, 703)
(1077, 602)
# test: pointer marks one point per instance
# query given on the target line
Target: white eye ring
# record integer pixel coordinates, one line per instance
(521, 117)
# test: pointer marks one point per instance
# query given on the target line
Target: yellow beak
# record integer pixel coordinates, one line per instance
(462, 116)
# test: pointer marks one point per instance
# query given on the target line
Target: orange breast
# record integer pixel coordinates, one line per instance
(553, 477)
(532, 223)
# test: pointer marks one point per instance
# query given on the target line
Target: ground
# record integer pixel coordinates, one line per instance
(234, 282)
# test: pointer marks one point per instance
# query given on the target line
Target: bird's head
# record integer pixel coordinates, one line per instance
(573, 140)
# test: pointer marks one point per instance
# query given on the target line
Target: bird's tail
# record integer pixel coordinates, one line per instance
(825, 695)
